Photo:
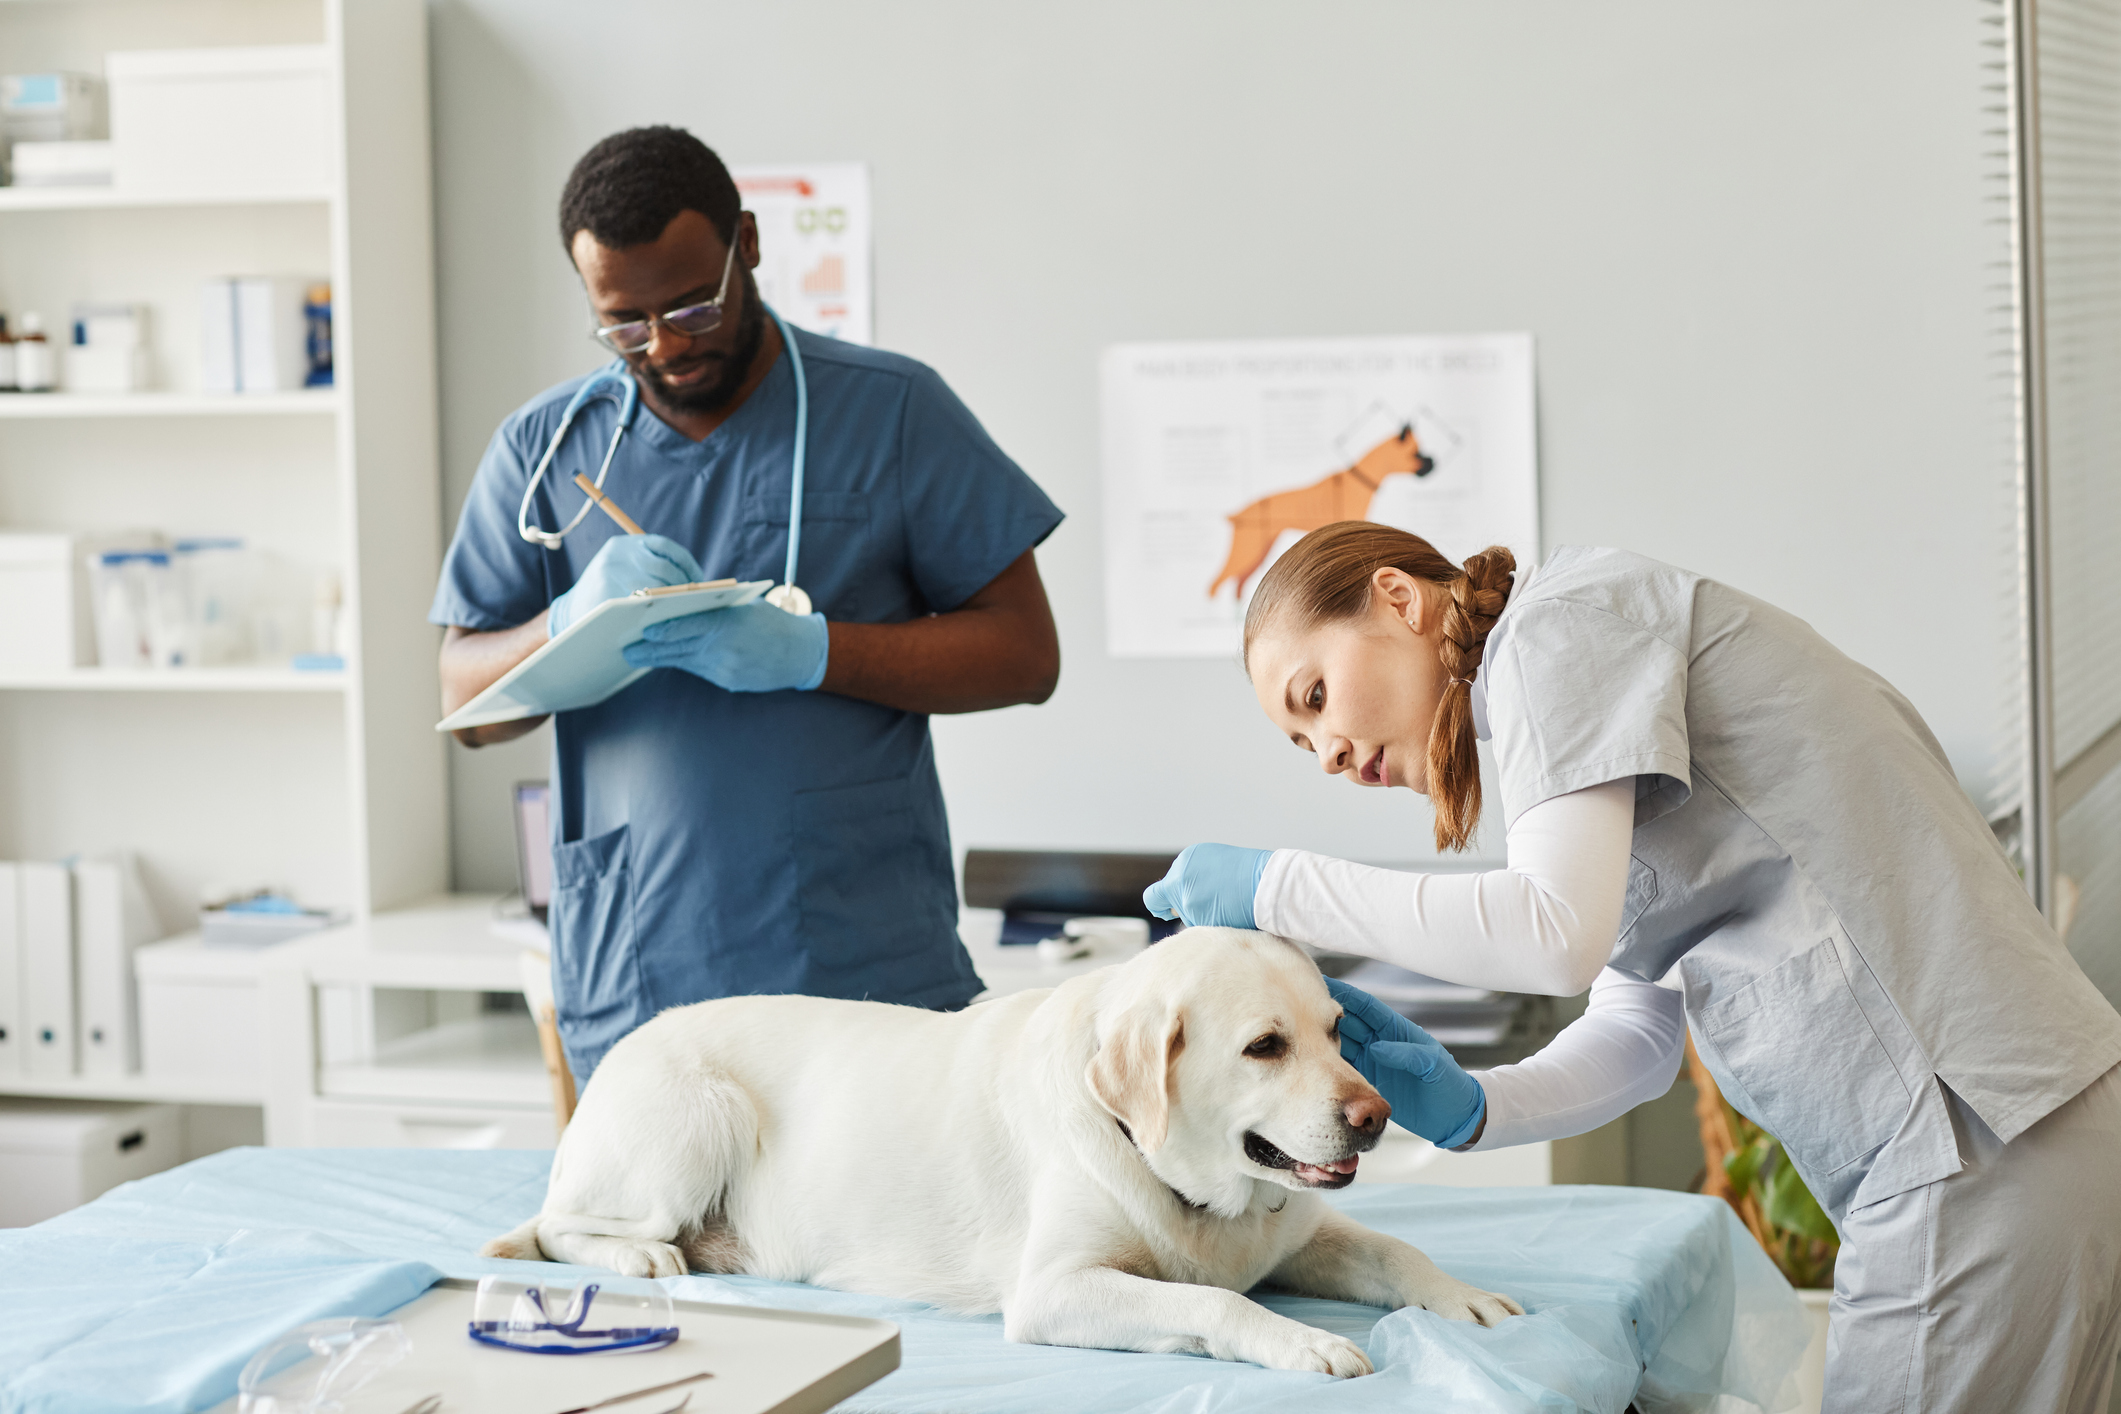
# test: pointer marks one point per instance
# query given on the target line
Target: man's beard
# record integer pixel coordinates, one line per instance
(736, 365)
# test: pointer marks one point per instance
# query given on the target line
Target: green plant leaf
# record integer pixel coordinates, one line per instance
(1790, 1204)
(1742, 1165)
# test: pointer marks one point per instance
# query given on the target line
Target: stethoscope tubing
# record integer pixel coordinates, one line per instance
(629, 396)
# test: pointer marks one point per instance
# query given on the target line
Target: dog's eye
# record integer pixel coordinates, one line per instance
(1267, 1047)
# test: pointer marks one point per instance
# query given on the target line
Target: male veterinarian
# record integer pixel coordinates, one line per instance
(762, 813)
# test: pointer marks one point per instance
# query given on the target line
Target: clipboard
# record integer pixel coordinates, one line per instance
(586, 663)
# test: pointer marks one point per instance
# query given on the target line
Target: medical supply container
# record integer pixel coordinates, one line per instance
(217, 578)
(48, 107)
(58, 1154)
(108, 352)
(250, 121)
(36, 362)
(63, 164)
(139, 609)
(43, 621)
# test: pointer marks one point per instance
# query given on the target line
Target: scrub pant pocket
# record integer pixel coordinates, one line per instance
(1996, 1289)
(596, 964)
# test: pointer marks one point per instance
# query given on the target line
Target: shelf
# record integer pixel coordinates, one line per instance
(51, 405)
(138, 1088)
(175, 680)
(444, 944)
(487, 1060)
(117, 199)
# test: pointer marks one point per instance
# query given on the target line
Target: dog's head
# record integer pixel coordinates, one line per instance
(1219, 1050)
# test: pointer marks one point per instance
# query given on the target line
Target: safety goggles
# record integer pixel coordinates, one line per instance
(349, 1351)
(691, 320)
(555, 1320)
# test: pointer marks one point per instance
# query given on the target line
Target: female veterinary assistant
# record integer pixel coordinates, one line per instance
(761, 813)
(1717, 822)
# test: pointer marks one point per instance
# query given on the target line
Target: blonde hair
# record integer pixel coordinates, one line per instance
(1325, 578)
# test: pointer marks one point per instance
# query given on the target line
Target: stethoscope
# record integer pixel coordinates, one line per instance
(613, 380)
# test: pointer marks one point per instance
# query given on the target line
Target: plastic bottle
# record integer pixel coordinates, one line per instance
(7, 358)
(36, 362)
(316, 322)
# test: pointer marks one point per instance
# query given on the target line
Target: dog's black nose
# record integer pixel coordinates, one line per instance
(1367, 1113)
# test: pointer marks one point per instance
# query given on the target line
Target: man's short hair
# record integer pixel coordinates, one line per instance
(631, 185)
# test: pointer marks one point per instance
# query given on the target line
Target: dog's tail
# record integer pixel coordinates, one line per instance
(520, 1245)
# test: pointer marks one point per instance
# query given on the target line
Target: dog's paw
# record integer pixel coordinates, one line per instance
(645, 1259)
(514, 1246)
(1460, 1302)
(1324, 1352)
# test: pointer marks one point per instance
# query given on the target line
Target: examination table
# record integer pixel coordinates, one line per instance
(151, 1297)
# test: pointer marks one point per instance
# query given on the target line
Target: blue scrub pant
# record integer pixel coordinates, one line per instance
(1996, 1289)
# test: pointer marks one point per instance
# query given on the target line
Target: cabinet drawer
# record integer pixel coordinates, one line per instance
(343, 1125)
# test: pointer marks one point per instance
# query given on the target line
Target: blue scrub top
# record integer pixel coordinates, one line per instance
(709, 843)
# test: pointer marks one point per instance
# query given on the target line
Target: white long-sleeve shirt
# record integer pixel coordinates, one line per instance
(1546, 922)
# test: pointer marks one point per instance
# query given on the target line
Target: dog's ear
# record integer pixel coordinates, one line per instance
(1132, 1072)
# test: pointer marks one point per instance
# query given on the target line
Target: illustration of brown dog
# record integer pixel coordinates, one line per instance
(1345, 495)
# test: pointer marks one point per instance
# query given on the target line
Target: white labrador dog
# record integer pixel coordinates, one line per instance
(1109, 1163)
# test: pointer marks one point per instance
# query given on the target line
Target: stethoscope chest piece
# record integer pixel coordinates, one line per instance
(789, 599)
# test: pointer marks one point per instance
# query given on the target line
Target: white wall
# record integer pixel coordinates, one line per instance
(1749, 240)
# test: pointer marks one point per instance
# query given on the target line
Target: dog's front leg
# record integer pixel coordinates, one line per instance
(1103, 1308)
(1345, 1261)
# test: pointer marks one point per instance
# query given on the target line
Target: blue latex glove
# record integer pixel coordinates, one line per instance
(623, 564)
(1209, 886)
(1428, 1091)
(749, 648)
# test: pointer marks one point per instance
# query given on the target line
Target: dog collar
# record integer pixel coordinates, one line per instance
(1196, 1207)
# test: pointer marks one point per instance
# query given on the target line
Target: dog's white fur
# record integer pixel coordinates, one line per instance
(978, 1160)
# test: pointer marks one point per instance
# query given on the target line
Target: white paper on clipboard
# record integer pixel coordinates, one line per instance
(587, 663)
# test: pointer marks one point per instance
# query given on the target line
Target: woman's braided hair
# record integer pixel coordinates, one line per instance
(1326, 577)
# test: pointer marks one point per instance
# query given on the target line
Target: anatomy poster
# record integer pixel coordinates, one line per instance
(1219, 456)
(813, 244)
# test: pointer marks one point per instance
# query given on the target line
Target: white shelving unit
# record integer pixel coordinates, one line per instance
(323, 402)
(331, 784)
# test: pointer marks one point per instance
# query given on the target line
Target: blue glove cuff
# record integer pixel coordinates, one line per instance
(1465, 1132)
(824, 653)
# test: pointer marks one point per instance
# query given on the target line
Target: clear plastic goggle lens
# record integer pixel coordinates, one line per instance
(612, 1315)
(315, 1368)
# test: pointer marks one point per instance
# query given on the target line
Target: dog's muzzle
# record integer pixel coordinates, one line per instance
(1338, 1174)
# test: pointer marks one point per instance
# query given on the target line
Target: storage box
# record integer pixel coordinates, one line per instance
(44, 623)
(199, 1022)
(63, 164)
(58, 1154)
(224, 121)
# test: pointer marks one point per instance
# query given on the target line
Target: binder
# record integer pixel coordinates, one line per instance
(272, 335)
(47, 942)
(586, 663)
(12, 1046)
(111, 917)
(218, 372)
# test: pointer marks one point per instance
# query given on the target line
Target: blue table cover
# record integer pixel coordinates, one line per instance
(1633, 1295)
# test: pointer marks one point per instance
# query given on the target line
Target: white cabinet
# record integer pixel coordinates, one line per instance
(328, 783)
(385, 1032)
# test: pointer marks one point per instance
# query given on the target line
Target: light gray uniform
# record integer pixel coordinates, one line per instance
(1864, 974)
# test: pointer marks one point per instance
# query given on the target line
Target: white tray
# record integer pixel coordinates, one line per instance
(764, 1362)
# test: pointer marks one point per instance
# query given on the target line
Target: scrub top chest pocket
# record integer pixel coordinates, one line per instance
(836, 532)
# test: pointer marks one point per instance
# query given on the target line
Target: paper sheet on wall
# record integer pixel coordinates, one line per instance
(813, 243)
(1219, 456)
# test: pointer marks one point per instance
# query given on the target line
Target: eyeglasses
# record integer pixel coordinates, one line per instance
(692, 320)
